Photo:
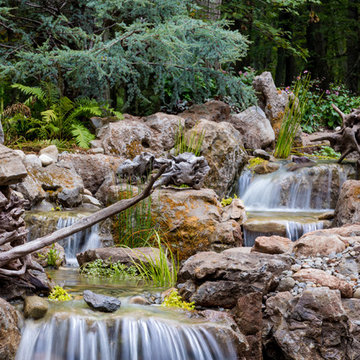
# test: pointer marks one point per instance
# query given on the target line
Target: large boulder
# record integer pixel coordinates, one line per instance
(312, 326)
(9, 331)
(220, 279)
(12, 169)
(60, 182)
(224, 151)
(319, 242)
(347, 209)
(271, 100)
(212, 110)
(165, 128)
(192, 221)
(131, 137)
(254, 127)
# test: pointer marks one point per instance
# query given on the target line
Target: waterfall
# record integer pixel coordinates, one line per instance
(126, 338)
(295, 230)
(40, 224)
(80, 241)
(306, 188)
(288, 203)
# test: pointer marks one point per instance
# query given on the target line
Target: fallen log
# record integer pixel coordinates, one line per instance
(25, 249)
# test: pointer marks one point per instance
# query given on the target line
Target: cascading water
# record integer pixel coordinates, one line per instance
(40, 224)
(311, 190)
(80, 241)
(83, 338)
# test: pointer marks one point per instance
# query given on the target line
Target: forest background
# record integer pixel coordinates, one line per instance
(62, 61)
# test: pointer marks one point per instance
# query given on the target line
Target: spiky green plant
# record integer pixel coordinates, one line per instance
(135, 225)
(293, 114)
(188, 142)
(161, 270)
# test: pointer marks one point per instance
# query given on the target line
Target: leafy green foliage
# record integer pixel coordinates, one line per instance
(174, 300)
(61, 118)
(101, 268)
(326, 152)
(133, 52)
(159, 270)
(52, 256)
(59, 294)
(293, 115)
(320, 112)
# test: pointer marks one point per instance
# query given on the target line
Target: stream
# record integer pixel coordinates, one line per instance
(286, 203)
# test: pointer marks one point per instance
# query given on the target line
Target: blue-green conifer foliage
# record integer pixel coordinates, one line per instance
(130, 51)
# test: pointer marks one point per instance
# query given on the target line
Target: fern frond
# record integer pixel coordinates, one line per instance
(30, 91)
(64, 106)
(82, 135)
(49, 116)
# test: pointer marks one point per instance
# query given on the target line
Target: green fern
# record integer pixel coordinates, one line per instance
(82, 135)
(31, 91)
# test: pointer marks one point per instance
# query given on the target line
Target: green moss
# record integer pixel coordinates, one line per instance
(254, 162)
(227, 201)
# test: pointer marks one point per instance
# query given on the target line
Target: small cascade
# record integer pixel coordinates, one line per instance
(80, 241)
(127, 338)
(40, 224)
(295, 230)
(306, 188)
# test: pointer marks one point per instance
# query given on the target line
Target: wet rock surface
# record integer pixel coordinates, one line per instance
(35, 307)
(122, 255)
(218, 280)
(101, 303)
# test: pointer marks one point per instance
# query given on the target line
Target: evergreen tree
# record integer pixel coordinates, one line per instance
(140, 52)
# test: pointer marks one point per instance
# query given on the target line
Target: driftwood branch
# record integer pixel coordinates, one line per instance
(346, 140)
(23, 250)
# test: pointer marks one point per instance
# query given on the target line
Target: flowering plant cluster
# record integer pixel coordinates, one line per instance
(319, 111)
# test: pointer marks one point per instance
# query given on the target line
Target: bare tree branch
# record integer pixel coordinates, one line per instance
(27, 248)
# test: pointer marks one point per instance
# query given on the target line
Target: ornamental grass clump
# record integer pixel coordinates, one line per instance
(188, 143)
(160, 270)
(293, 114)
